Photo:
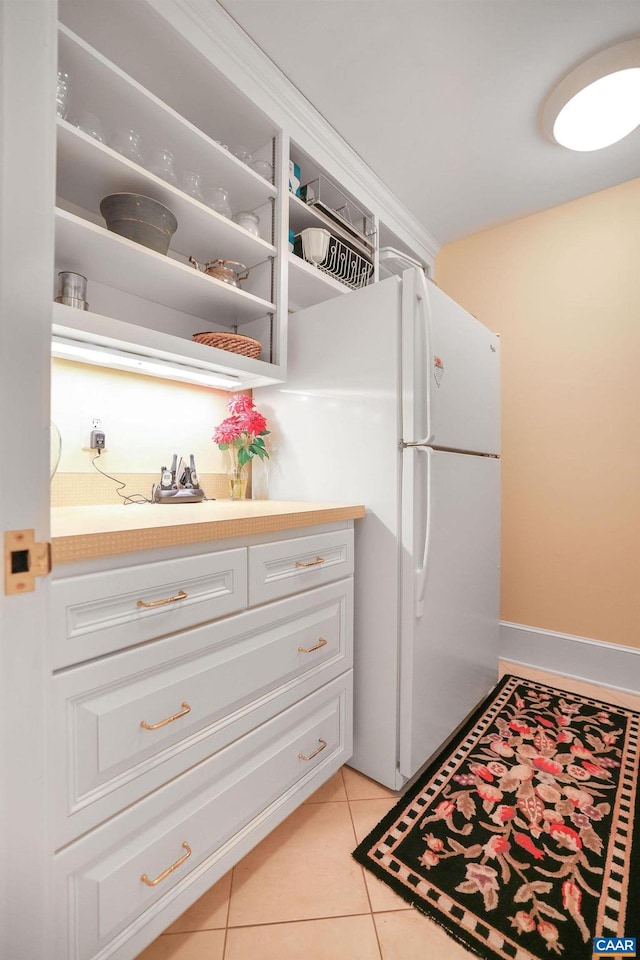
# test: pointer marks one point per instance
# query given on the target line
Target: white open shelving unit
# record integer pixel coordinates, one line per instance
(147, 295)
(119, 101)
(89, 170)
(307, 283)
(150, 275)
(156, 344)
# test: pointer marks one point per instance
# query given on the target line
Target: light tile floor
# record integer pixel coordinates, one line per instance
(299, 895)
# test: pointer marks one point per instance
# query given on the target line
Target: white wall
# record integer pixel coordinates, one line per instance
(145, 419)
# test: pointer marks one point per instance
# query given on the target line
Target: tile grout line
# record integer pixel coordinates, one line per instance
(227, 927)
(226, 922)
(366, 886)
(284, 923)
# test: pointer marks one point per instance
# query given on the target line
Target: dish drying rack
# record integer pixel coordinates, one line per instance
(341, 214)
(334, 257)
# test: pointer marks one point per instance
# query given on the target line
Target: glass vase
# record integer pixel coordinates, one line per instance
(237, 476)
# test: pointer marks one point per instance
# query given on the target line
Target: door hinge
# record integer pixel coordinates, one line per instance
(24, 560)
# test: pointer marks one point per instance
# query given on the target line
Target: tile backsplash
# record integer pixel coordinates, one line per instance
(145, 421)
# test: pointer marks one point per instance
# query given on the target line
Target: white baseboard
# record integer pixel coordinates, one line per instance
(607, 664)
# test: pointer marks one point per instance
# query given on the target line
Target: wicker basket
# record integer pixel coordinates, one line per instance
(234, 342)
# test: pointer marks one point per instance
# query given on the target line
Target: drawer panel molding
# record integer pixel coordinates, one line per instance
(103, 612)
(288, 566)
(130, 722)
(102, 898)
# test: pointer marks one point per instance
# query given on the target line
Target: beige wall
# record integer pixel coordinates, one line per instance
(562, 288)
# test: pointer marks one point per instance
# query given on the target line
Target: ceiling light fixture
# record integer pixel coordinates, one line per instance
(598, 102)
(150, 366)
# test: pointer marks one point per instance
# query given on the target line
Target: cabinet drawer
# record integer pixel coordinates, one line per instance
(287, 566)
(97, 613)
(127, 724)
(198, 819)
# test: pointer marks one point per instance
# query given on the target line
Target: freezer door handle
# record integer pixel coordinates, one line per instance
(421, 572)
(422, 296)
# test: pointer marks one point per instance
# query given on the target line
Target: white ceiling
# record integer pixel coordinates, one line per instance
(442, 97)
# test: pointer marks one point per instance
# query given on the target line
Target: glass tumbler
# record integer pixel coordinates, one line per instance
(163, 166)
(129, 144)
(90, 124)
(263, 167)
(218, 200)
(192, 184)
(242, 154)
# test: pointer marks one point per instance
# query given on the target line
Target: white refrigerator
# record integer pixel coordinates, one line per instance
(392, 399)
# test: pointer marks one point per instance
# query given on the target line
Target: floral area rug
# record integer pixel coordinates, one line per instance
(519, 839)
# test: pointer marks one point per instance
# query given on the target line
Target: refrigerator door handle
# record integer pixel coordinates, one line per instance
(422, 296)
(421, 572)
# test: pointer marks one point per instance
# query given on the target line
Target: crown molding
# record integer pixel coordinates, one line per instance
(214, 32)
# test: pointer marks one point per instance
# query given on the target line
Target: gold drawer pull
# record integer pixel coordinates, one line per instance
(180, 595)
(154, 726)
(174, 866)
(315, 753)
(321, 643)
(311, 563)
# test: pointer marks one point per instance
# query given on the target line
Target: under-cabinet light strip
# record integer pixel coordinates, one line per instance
(150, 366)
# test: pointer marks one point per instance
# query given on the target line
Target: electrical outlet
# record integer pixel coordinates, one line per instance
(96, 436)
(97, 441)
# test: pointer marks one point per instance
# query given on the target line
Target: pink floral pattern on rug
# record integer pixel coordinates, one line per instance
(543, 802)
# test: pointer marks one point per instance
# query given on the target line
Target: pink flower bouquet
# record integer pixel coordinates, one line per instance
(242, 432)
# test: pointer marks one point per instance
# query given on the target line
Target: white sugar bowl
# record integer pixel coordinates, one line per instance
(249, 221)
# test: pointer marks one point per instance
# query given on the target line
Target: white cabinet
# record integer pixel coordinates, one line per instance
(183, 731)
(153, 858)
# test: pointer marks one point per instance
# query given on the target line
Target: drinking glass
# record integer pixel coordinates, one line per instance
(90, 124)
(218, 200)
(163, 165)
(263, 167)
(192, 184)
(129, 144)
(242, 154)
